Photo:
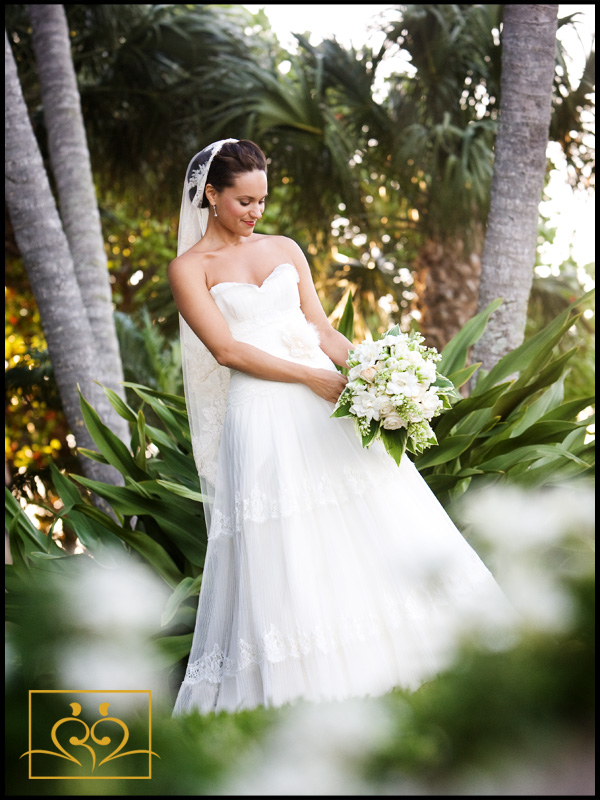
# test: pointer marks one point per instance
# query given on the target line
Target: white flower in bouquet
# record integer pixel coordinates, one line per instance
(394, 391)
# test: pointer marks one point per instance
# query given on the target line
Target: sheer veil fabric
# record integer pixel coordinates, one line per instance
(205, 381)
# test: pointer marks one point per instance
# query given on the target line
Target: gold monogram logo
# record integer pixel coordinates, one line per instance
(89, 738)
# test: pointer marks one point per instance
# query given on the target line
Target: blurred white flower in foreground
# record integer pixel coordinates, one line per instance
(112, 615)
(126, 599)
(316, 749)
(538, 539)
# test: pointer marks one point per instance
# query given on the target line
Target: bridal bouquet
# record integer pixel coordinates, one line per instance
(394, 391)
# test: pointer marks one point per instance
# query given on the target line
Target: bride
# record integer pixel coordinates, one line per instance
(330, 572)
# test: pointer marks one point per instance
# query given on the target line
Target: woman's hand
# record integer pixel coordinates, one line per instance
(328, 384)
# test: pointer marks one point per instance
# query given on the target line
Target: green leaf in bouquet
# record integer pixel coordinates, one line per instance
(394, 442)
(342, 408)
(441, 382)
(418, 447)
(367, 438)
(447, 391)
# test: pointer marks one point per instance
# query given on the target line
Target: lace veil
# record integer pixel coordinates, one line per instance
(205, 381)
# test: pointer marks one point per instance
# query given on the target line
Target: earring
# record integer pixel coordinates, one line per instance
(214, 208)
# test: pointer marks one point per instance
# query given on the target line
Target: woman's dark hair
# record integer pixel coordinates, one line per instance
(232, 160)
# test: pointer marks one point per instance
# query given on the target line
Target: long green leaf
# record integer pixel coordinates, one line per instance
(556, 469)
(547, 432)
(570, 409)
(154, 553)
(67, 491)
(120, 406)
(461, 376)
(173, 399)
(454, 354)
(111, 447)
(549, 399)
(187, 531)
(461, 410)
(20, 523)
(448, 449)
(92, 455)
(174, 420)
(174, 648)
(182, 491)
(140, 456)
(526, 354)
(529, 453)
(515, 396)
(183, 590)
(346, 323)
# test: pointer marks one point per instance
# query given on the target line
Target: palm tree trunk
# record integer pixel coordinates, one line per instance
(47, 258)
(528, 59)
(446, 287)
(70, 160)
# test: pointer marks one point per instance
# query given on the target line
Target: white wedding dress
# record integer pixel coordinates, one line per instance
(330, 572)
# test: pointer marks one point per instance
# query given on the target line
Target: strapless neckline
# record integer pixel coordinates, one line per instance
(254, 285)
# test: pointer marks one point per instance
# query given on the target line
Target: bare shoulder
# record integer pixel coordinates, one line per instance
(282, 247)
(182, 265)
(285, 243)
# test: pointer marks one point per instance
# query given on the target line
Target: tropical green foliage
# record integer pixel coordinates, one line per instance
(515, 424)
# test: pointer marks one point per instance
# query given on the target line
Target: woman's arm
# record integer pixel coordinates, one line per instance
(203, 316)
(333, 343)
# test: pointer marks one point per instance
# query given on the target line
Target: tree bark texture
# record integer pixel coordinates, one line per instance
(45, 251)
(446, 286)
(71, 167)
(528, 62)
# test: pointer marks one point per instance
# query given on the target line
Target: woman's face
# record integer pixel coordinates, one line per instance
(240, 206)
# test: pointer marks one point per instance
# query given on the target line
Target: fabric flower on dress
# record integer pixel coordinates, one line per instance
(302, 340)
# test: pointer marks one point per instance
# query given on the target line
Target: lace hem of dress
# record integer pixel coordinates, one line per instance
(297, 498)
(277, 647)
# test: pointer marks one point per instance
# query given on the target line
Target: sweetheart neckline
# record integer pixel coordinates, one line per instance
(255, 285)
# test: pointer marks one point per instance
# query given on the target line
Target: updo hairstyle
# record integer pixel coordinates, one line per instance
(232, 160)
